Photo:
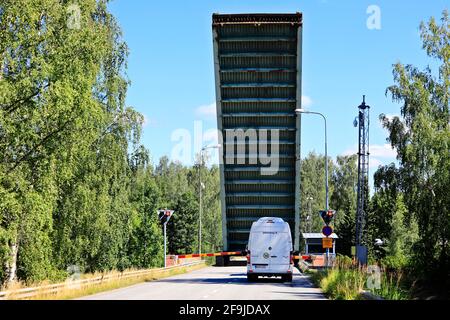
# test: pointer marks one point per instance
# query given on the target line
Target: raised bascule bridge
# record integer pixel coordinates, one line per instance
(258, 67)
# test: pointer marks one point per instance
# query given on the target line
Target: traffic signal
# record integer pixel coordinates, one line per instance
(164, 215)
(327, 215)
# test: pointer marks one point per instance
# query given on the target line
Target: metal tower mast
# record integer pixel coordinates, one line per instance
(363, 170)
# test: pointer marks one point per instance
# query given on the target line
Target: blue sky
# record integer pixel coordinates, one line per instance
(171, 64)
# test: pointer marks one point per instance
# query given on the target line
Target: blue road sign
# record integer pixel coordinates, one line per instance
(327, 231)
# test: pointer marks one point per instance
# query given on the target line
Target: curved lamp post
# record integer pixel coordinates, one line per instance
(300, 111)
(201, 186)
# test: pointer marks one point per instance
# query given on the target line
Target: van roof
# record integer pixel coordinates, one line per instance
(270, 220)
(270, 224)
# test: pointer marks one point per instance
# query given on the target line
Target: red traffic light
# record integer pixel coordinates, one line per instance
(327, 215)
(164, 215)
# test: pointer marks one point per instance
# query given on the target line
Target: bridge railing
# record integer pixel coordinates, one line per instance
(54, 289)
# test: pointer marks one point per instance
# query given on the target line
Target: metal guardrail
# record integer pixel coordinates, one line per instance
(53, 289)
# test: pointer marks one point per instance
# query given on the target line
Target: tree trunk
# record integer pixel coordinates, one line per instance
(11, 263)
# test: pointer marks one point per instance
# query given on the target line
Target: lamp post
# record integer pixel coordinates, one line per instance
(200, 187)
(298, 112)
(309, 218)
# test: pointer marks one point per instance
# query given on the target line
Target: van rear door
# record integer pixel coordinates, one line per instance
(259, 250)
(281, 249)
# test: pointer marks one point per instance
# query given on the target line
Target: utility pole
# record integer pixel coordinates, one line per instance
(363, 170)
(200, 191)
(200, 187)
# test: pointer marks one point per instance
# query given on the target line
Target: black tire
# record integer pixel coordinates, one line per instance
(219, 261)
(286, 278)
(251, 277)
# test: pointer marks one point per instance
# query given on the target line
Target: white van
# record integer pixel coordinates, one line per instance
(269, 249)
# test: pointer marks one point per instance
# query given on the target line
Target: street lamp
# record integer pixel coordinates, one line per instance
(298, 112)
(200, 187)
(309, 217)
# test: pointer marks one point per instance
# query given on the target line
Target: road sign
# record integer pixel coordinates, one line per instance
(361, 254)
(327, 231)
(327, 243)
(164, 215)
(327, 215)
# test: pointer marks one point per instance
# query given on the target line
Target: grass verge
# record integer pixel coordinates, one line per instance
(346, 282)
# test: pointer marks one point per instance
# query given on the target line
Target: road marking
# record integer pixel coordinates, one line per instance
(204, 297)
(214, 291)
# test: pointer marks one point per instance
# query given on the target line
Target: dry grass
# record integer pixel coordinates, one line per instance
(72, 291)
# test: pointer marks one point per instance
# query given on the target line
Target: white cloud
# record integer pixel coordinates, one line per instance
(382, 151)
(206, 110)
(374, 163)
(376, 150)
(211, 136)
(306, 101)
(379, 155)
(349, 152)
(391, 116)
(148, 122)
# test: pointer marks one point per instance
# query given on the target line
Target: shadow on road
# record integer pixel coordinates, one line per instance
(304, 295)
(235, 278)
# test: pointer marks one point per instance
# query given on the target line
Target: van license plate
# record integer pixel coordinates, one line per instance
(260, 267)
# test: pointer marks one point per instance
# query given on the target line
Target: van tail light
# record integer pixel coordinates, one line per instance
(292, 259)
(248, 257)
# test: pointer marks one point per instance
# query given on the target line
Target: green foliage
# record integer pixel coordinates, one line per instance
(313, 191)
(183, 229)
(145, 249)
(342, 193)
(392, 287)
(343, 199)
(402, 238)
(421, 138)
(211, 211)
(76, 187)
(180, 184)
(341, 282)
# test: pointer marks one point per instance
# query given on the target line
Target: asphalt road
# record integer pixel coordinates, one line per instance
(216, 283)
